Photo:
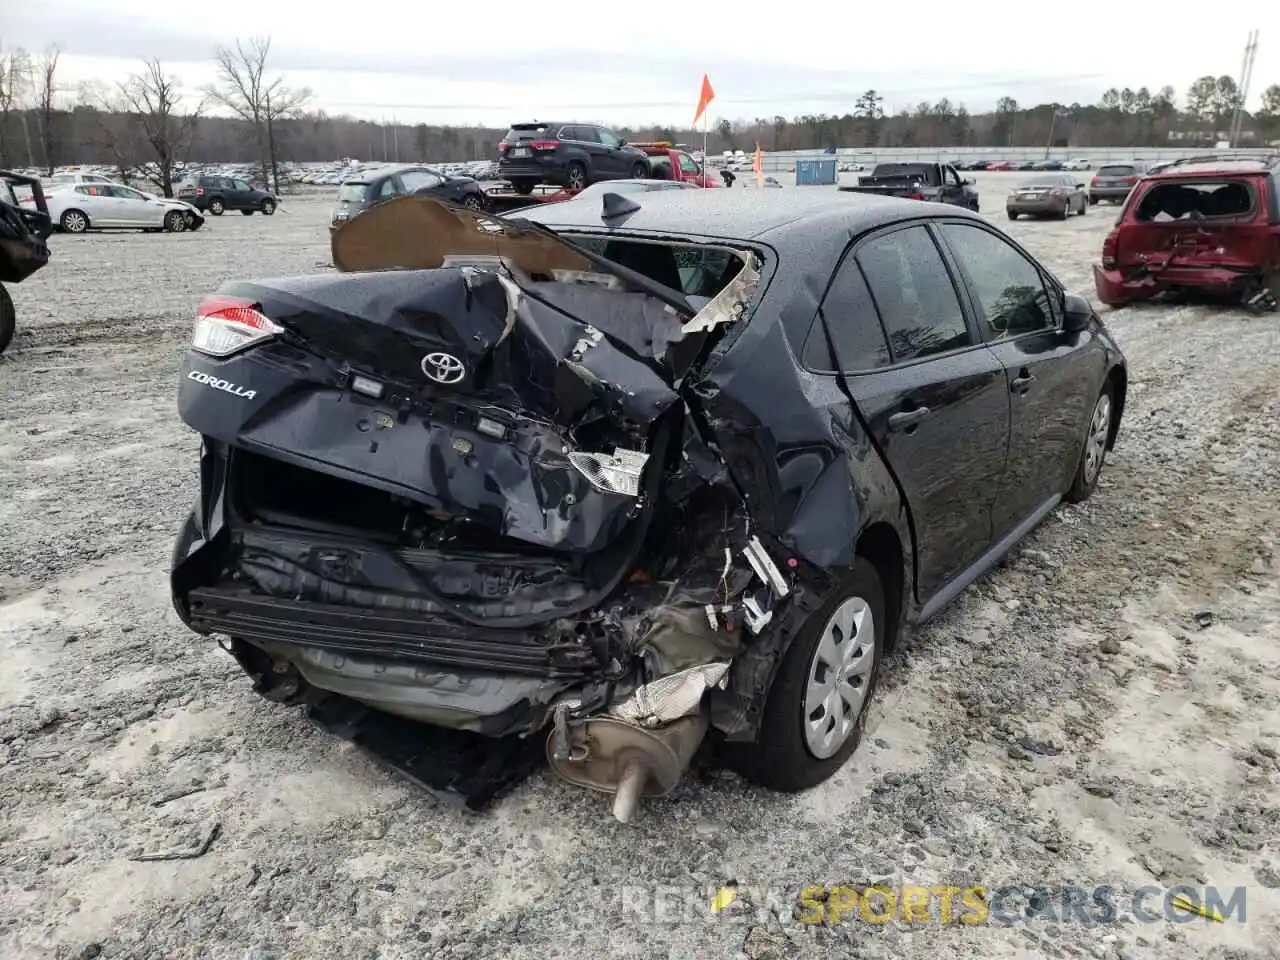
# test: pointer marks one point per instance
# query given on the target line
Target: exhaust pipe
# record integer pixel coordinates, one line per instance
(613, 756)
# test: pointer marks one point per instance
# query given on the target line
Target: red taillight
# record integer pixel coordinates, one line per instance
(1130, 179)
(502, 146)
(915, 196)
(1110, 250)
(199, 191)
(225, 325)
(1093, 182)
(1057, 192)
(545, 144)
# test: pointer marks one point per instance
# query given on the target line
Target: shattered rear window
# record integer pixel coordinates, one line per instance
(696, 270)
(1195, 201)
(526, 131)
(1117, 170)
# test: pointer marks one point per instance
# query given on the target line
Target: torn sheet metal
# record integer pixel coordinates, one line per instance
(671, 697)
(729, 304)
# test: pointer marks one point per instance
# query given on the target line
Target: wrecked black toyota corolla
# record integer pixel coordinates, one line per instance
(625, 470)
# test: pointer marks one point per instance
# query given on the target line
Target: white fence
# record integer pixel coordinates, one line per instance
(785, 159)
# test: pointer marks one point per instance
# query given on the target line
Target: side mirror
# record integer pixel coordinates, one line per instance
(1077, 313)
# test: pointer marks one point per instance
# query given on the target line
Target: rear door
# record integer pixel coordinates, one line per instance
(933, 398)
(241, 196)
(98, 203)
(584, 143)
(1052, 379)
(615, 160)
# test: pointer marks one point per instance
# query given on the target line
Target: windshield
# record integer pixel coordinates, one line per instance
(352, 192)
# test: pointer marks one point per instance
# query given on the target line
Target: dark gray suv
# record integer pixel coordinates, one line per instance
(570, 155)
(1113, 181)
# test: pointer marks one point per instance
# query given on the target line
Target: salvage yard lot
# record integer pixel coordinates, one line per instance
(1103, 709)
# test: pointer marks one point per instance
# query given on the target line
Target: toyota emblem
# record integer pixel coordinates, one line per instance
(443, 367)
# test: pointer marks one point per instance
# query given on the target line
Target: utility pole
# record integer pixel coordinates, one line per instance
(1246, 75)
(395, 137)
(383, 124)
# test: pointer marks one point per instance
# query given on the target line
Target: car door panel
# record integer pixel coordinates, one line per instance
(99, 206)
(1019, 306)
(939, 413)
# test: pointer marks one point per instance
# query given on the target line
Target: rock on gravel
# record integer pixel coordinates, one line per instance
(1071, 721)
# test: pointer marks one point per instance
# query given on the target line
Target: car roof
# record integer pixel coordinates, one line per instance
(1220, 166)
(801, 220)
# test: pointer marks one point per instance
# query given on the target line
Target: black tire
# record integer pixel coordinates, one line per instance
(472, 202)
(268, 207)
(1086, 477)
(8, 319)
(1012, 215)
(523, 187)
(73, 221)
(1092, 200)
(192, 222)
(1064, 212)
(1084, 207)
(639, 170)
(247, 213)
(575, 176)
(217, 207)
(781, 759)
(175, 221)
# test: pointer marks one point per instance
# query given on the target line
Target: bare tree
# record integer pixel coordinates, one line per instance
(152, 99)
(46, 102)
(244, 88)
(13, 78)
(114, 130)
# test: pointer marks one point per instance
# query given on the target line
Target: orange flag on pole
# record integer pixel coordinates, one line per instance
(704, 99)
(757, 164)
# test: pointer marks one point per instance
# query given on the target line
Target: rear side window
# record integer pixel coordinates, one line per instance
(352, 192)
(914, 294)
(850, 315)
(418, 180)
(1194, 201)
(1117, 170)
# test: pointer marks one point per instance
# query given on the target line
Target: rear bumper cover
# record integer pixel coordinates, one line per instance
(1115, 287)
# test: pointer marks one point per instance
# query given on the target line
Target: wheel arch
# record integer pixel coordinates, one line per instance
(1118, 380)
(881, 546)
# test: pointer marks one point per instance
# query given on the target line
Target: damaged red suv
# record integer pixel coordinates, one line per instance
(1207, 226)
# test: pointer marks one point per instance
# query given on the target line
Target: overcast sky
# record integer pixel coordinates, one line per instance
(500, 61)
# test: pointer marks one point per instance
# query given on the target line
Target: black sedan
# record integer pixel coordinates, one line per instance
(691, 462)
(376, 186)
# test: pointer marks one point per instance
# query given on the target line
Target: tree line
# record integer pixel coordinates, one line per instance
(250, 114)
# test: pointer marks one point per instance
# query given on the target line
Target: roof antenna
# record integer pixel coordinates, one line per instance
(616, 207)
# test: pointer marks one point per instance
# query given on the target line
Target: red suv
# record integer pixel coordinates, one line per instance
(1209, 225)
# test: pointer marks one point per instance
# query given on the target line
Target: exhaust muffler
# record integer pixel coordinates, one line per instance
(614, 756)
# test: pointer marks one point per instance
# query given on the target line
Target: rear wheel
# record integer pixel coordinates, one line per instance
(1094, 453)
(523, 187)
(1084, 206)
(472, 202)
(1065, 211)
(73, 221)
(268, 207)
(1092, 200)
(575, 176)
(817, 707)
(247, 213)
(216, 207)
(8, 319)
(1012, 214)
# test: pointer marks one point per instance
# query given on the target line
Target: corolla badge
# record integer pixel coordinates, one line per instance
(443, 368)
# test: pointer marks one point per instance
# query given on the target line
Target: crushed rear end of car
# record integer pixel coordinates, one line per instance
(1186, 233)
(469, 482)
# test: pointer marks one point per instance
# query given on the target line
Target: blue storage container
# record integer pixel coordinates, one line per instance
(815, 173)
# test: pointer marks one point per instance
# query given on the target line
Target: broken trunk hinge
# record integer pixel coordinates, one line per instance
(590, 337)
(759, 611)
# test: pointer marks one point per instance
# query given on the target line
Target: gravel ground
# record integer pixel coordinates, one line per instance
(1100, 710)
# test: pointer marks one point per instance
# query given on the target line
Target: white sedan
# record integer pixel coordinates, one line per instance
(113, 206)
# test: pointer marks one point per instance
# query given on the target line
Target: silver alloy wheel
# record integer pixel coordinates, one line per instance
(839, 677)
(74, 222)
(471, 202)
(1095, 444)
(577, 177)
